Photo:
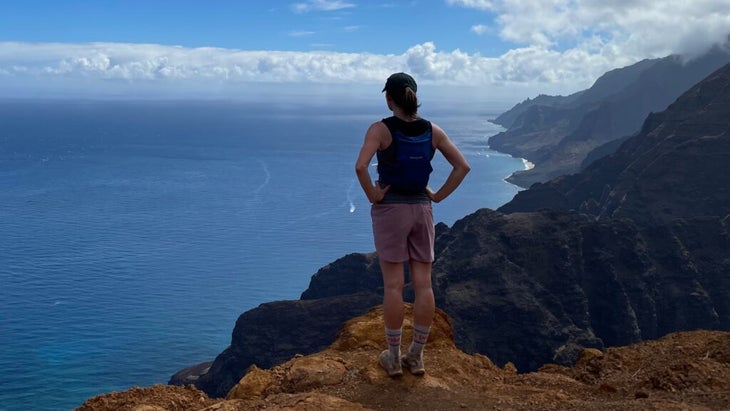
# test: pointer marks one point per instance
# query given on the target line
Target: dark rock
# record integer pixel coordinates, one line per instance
(602, 151)
(508, 118)
(674, 168)
(328, 282)
(274, 332)
(494, 280)
(190, 375)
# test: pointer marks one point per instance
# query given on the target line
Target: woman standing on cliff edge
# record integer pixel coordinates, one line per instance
(403, 227)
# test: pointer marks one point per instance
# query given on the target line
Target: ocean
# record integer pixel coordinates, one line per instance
(133, 233)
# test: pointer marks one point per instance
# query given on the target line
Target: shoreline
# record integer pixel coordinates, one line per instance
(526, 166)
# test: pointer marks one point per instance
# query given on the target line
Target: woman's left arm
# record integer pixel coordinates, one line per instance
(373, 139)
(460, 167)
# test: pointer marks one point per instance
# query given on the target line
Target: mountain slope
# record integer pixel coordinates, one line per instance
(673, 168)
(558, 136)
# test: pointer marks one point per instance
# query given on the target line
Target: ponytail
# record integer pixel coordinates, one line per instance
(407, 101)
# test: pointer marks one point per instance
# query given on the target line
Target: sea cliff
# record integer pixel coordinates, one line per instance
(563, 134)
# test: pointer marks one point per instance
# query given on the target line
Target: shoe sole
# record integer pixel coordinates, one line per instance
(413, 370)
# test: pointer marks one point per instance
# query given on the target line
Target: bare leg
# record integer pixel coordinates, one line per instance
(423, 311)
(393, 311)
(392, 294)
(424, 306)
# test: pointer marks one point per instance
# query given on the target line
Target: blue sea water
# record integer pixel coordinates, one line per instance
(132, 234)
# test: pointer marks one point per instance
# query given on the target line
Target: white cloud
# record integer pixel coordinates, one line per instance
(632, 28)
(320, 5)
(474, 4)
(562, 47)
(300, 33)
(480, 29)
(98, 66)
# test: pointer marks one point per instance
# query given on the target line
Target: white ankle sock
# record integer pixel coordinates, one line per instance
(420, 336)
(392, 337)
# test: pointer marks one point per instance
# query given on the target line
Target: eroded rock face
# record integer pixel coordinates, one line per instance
(538, 287)
(316, 372)
(253, 384)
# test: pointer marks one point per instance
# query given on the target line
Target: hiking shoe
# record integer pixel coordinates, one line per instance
(391, 365)
(414, 363)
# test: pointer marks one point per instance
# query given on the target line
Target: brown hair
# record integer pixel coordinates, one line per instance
(407, 100)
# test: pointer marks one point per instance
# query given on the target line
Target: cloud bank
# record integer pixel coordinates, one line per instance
(635, 28)
(561, 46)
(115, 66)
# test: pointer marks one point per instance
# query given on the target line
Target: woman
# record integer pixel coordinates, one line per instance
(402, 216)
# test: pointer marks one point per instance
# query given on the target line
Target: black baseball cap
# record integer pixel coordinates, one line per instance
(399, 82)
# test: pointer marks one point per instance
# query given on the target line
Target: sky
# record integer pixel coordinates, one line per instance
(509, 49)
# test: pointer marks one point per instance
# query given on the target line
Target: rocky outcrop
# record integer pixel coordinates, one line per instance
(190, 375)
(274, 332)
(557, 134)
(327, 283)
(682, 371)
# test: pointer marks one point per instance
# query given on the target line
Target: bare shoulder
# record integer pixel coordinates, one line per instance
(377, 130)
(439, 135)
(378, 133)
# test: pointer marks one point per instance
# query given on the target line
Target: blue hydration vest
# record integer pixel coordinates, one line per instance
(406, 164)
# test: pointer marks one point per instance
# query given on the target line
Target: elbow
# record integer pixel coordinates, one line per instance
(465, 168)
(361, 169)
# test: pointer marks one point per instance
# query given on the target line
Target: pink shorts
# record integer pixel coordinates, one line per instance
(403, 231)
